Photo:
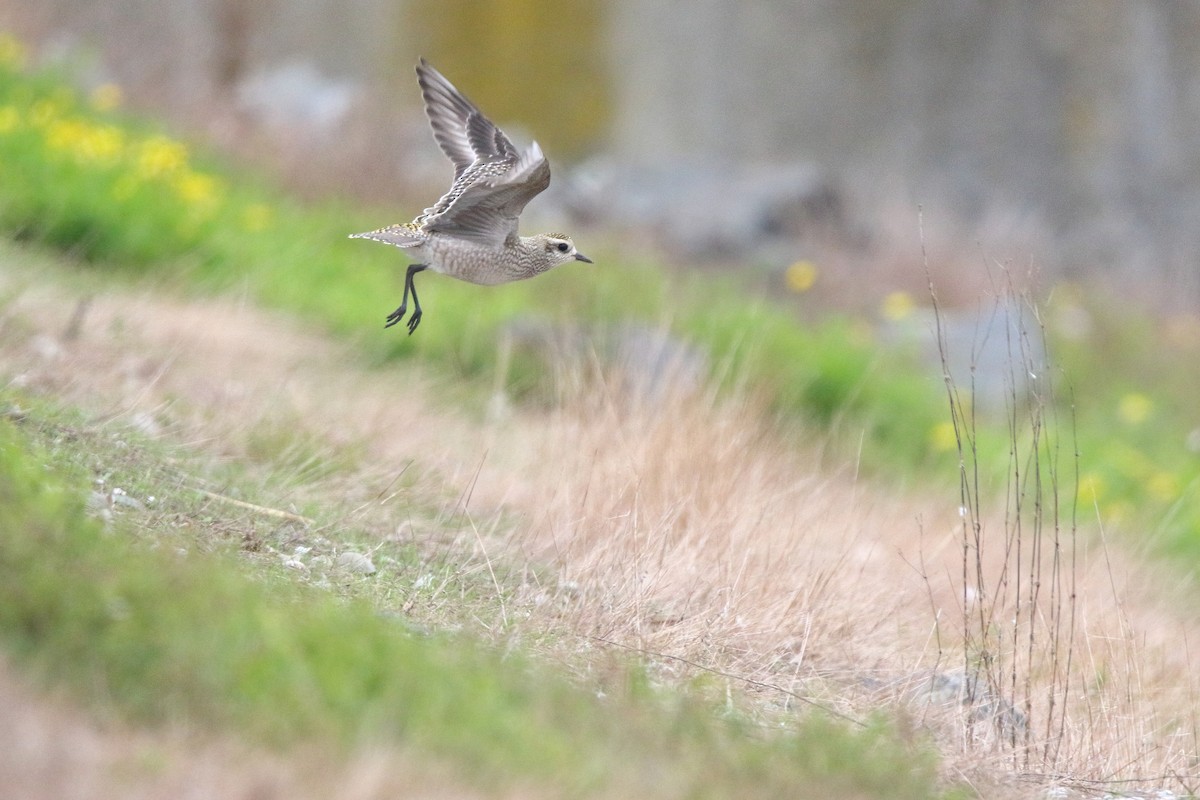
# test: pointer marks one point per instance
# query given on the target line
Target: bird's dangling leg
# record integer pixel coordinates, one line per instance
(409, 286)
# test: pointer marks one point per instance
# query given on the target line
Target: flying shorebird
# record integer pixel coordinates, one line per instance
(471, 232)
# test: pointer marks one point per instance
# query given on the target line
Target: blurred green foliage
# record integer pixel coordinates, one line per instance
(1134, 388)
(104, 188)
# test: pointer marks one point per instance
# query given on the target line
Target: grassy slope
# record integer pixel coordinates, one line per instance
(686, 530)
(145, 618)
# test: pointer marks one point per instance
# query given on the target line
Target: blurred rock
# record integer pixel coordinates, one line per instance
(708, 209)
(297, 97)
(984, 704)
(99, 505)
(121, 498)
(356, 562)
(992, 353)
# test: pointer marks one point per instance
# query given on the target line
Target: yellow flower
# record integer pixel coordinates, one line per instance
(1163, 486)
(84, 141)
(256, 217)
(1134, 408)
(942, 437)
(159, 156)
(10, 118)
(12, 52)
(897, 306)
(64, 134)
(801, 276)
(197, 189)
(103, 143)
(106, 97)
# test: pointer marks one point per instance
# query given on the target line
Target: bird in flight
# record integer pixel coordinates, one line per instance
(471, 232)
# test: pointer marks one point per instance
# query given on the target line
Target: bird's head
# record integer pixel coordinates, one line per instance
(559, 248)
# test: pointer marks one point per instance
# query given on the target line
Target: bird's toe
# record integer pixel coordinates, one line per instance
(395, 317)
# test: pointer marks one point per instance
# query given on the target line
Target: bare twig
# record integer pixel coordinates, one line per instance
(1012, 629)
(257, 509)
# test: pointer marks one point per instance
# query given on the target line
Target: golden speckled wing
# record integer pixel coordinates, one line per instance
(487, 204)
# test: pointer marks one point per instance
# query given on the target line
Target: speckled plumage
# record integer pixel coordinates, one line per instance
(470, 233)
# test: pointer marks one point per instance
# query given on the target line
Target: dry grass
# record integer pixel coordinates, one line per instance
(688, 526)
(691, 531)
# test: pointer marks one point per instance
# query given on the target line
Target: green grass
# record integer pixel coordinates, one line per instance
(141, 621)
(114, 192)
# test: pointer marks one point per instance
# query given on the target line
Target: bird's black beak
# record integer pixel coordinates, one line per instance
(582, 257)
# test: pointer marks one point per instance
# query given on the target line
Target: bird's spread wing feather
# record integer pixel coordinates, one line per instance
(459, 127)
(486, 207)
(487, 141)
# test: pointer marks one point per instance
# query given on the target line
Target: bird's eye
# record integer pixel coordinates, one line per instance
(563, 247)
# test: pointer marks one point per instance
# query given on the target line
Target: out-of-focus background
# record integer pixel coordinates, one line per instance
(1059, 134)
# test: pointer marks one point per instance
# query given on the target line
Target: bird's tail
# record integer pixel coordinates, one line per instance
(404, 235)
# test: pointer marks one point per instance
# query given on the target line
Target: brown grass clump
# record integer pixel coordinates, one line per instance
(691, 528)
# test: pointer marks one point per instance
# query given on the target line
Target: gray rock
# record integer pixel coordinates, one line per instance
(991, 352)
(356, 562)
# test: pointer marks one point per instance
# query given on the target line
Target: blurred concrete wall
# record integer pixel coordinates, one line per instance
(1083, 115)
(180, 52)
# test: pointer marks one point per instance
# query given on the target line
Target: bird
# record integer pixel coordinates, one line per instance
(471, 232)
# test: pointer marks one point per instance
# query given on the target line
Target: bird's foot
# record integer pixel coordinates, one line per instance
(396, 316)
(414, 321)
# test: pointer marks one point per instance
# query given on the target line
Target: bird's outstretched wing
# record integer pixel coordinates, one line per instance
(459, 127)
(486, 202)
(492, 180)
